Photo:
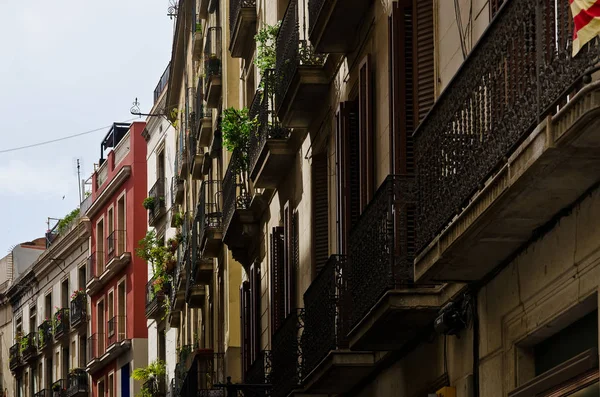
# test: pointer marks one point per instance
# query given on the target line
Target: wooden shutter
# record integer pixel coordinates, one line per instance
(245, 321)
(402, 87)
(354, 165)
(367, 132)
(320, 211)
(424, 46)
(277, 278)
(254, 295)
(292, 259)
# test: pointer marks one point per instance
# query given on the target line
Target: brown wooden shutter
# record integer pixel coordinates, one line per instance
(291, 257)
(254, 311)
(402, 87)
(424, 46)
(341, 170)
(320, 210)
(245, 321)
(354, 165)
(367, 132)
(277, 278)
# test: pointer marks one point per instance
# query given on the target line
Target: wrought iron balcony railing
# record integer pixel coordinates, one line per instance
(235, 7)
(213, 55)
(176, 189)
(162, 83)
(381, 246)
(77, 382)
(14, 359)
(116, 330)
(293, 50)
(43, 393)
(325, 325)
(287, 355)
(78, 309)
(518, 73)
(155, 296)
(45, 334)
(154, 387)
(59, 388)
(115, 244)
(236, 192)
(269, 127)
(259, 372)
(61, 322)
(96, 346)
(209, 213)
(28, 345)
(157, 193)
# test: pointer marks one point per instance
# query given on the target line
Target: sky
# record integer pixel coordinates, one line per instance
(68, 67)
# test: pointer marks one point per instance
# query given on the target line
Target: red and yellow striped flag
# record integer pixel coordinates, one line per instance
(586, 14)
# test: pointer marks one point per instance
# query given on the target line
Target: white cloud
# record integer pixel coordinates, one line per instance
(22, 178)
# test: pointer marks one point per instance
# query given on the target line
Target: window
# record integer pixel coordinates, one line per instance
(110, 308)
(65, 362)
(320, 209)
(111, 384)
(49, 377)
(121, 224)
(121, 309)
(82, 351)
(100, 247)
(101, 389)
(82, 278)
(277, 278)
(100, 324)
(48, 306)
(19, 327)
(64, 293)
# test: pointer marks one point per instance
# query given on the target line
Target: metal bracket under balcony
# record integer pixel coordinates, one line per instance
(549, 171)
(334, 24)
(242, 25)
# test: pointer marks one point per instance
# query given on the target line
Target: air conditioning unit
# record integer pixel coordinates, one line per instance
(444, 392)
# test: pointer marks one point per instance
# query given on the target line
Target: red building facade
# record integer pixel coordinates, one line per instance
(117, 340)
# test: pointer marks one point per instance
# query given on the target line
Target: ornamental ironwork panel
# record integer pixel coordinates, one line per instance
(61, 322)
(293, 50)
(209, 213)
(520, 71)
(44, 334)
(324, 328)
(213, 55)
(78, 309)
(235, 7)
(157, 192)
(236, 191)
(269, 127)
(77, 381)
(314, 9)
(381, 246)
(287, 372)
(259, 373)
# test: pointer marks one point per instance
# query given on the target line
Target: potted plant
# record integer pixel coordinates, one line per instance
(149, 203)
(78, 294)
(23, 344)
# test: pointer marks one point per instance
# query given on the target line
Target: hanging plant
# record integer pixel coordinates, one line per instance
(266, 40)
(149, 203)
(236, 127)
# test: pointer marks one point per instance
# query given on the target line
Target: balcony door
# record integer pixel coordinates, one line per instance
(100, 248)
(100, 328)
(121, 310)
(121, 224)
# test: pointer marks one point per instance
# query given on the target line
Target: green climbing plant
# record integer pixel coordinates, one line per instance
(156, 369)
(65, 222)
(153, 251)
(266, 40)
(236, 126)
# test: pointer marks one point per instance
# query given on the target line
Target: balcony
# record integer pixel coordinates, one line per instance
(242, 27)
(14, 360)
(240, 226)
(207, 369)
(155, 299)
(205, 124)
(105, 348)
(43, 393)
(334, 24)
(102, 268)
(45, 335)
(162, 83)
(195, 292)
(28, 348)
(288, 355)
(271, 152)
(197, 158)
(501, 152)
(387, 309)
(94, 268)
(157, 208)
(154, 388)
(300, 71)
(77, 383)
(59, 388)
(182, 160)
(328, 366)
(210, 217)
(78, 312)
(61, 323)
(198, 41)
(179, 283)
(259, 372)
(212, 67)
(177, 190)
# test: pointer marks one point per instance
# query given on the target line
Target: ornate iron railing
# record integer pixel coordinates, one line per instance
(162, 83)
(293, 50)
(77, 382)
(157, 192)
(61, 322)
(176, 183)
(44, 334)
(263, 109)
(28, 345)
(14, 358)
(260, 371)
(59, 388)
(287, 355)
(235, 7)
(212, 55)
(43, 393)
(209, 213)
(154, 387)
(115, 244)
(155, 295)
(518, 73)
(381, 246)
(78, 309)
(325, 326)
(116, 330)
(236, 191)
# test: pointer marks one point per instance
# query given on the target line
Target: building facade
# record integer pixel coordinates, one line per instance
(117, 278)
